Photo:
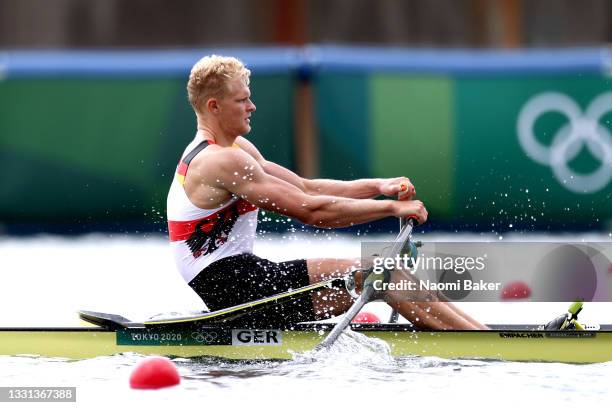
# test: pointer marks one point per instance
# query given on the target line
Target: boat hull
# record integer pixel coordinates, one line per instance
(249, 344)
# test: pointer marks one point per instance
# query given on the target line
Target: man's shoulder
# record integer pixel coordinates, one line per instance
(220, 158)
(249, 147)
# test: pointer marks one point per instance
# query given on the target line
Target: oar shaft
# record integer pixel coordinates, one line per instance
(368, 289)
(394, 313)
(347, 317)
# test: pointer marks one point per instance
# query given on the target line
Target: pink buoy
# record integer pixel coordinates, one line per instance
(366, 317)
(516, 290)
(153, 373)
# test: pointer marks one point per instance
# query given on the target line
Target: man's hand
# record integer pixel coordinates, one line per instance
(411, 209)
(400, 187)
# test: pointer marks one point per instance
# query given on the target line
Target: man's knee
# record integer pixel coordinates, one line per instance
(323, 269)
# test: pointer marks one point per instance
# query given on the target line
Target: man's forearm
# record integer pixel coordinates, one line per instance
(363, 188)
(334, 212)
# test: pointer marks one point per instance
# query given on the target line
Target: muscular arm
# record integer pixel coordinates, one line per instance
(242, 175)
(363, 188)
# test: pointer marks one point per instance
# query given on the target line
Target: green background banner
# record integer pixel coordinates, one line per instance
(77, 150)
(94, 137)
(456, 137)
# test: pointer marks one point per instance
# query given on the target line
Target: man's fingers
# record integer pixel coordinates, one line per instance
(414, 209)
(406, 191)
(421, 212)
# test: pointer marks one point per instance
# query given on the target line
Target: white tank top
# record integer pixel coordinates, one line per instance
(198, 236)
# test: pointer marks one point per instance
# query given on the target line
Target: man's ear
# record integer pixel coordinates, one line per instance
(212, 105)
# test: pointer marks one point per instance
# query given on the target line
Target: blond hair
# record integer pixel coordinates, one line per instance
(209, 77)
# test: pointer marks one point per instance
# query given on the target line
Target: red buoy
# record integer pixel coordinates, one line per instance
(516, 290)
(153, 373)
(366, 317)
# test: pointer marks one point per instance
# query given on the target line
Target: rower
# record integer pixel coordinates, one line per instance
(221, 182)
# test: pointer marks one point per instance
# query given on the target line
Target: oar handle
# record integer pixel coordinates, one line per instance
(401, 196)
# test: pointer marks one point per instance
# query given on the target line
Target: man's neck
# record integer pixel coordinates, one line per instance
(218, 137)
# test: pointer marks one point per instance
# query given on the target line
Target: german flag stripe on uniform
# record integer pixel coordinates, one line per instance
(182, 230)
(181, 169)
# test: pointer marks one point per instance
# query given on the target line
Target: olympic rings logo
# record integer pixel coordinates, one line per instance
(204, 337)
(582, 130)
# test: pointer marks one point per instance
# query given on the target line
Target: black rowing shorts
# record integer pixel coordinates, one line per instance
(246, 277)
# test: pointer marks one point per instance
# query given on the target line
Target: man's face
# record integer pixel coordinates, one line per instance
(235, 109)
